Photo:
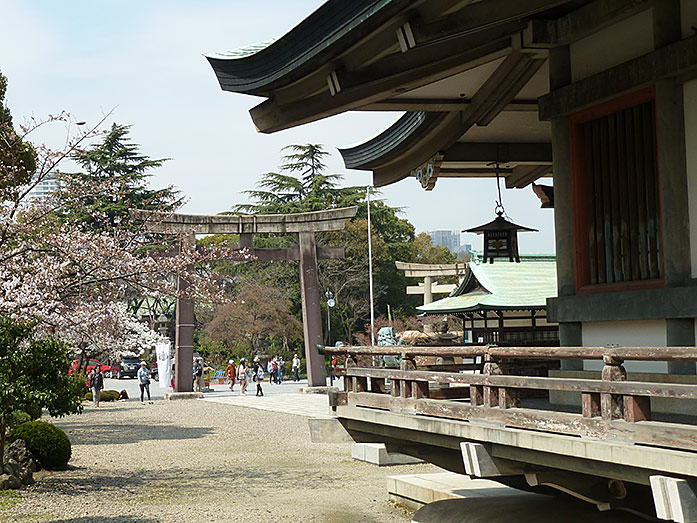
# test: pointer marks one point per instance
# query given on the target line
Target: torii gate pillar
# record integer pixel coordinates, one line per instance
(312, 314)
(184, 334)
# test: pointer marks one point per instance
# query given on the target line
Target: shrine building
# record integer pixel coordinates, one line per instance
(599, 95)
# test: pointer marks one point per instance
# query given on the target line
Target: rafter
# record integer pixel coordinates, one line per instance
(524, 175)
(581, 22)
(480, 15)
(485, 152)
(396, 73)
(499, 89)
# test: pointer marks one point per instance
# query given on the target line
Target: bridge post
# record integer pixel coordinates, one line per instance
(491, 394)
(612, 405)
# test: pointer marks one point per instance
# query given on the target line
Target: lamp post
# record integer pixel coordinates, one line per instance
(330, 303)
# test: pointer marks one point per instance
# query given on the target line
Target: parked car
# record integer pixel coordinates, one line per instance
(153, 369)
(88, 365)
(127, 366)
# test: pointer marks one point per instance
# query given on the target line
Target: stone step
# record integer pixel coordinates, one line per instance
(417, 490)
(376, 453)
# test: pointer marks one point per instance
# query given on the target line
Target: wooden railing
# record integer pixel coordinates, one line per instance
(609, 406)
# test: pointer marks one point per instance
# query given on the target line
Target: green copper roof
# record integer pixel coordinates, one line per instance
(332, 28)
(241, 52)
(501, 285)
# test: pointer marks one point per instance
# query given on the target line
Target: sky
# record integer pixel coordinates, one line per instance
(143, 63)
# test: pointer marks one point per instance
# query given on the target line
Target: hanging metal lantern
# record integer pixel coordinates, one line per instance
(500, 235)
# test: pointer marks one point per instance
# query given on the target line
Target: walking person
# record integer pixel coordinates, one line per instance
(242, 370)
(231, 374)
(281, 365)
(258, 373)
(271, 369)
(96, 382)
(296, 367)
(144, 382)
(198, 376)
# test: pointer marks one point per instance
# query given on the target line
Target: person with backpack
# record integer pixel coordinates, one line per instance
(242, 375)
(258, 374)
(198, 376)
(231, 374)
(96, 383)
(281, 364)
(144, 382)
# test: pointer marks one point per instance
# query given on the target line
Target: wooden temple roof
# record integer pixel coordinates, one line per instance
(500, 286)
(463, 73)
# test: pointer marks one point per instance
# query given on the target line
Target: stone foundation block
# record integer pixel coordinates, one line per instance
(328, 431)
(376, 453)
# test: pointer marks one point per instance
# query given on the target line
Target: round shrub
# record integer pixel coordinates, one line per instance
(49, 444)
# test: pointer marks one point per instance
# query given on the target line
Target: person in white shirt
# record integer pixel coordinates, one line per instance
(144, 381)
(296, 367)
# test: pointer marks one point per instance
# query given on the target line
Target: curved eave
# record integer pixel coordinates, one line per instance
(410, 142)
(331, 29)
(385, 146)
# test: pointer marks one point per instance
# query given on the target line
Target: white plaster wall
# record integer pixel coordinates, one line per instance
(613, 45)
(645, 333)
(688, 11)
(690, 104)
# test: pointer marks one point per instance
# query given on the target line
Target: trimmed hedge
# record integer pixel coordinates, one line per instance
(49, 444)
(107, 395)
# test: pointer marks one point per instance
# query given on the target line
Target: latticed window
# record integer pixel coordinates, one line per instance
(616, 192)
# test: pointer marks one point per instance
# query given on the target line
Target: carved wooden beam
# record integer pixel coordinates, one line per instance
(582, 22)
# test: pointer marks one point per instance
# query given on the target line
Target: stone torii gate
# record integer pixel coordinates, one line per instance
(305, 225)
(428, 271)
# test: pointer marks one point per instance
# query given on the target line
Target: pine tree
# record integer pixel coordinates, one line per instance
(301, 186)
(114, 179)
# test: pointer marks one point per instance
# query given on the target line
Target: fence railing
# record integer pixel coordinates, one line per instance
(610, 406)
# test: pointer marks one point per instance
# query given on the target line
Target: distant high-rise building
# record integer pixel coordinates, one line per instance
(44, 188)
(449, 239)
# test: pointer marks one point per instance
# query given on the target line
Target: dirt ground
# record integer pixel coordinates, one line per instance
(200, 461)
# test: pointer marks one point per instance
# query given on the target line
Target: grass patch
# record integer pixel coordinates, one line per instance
(9, 498)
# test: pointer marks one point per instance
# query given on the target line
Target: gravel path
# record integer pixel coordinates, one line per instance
(199, 461)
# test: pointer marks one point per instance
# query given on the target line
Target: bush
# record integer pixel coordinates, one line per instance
(17, 418)
(107, 395)
(49, 444)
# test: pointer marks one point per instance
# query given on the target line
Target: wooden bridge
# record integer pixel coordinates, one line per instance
(478, 414)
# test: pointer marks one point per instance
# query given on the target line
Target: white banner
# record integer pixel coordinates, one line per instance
(164, 365)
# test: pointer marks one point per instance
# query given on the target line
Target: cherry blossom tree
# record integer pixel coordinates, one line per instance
(67, 276)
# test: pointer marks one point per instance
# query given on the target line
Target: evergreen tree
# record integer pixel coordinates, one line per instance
(113, 181)
(301, 186)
